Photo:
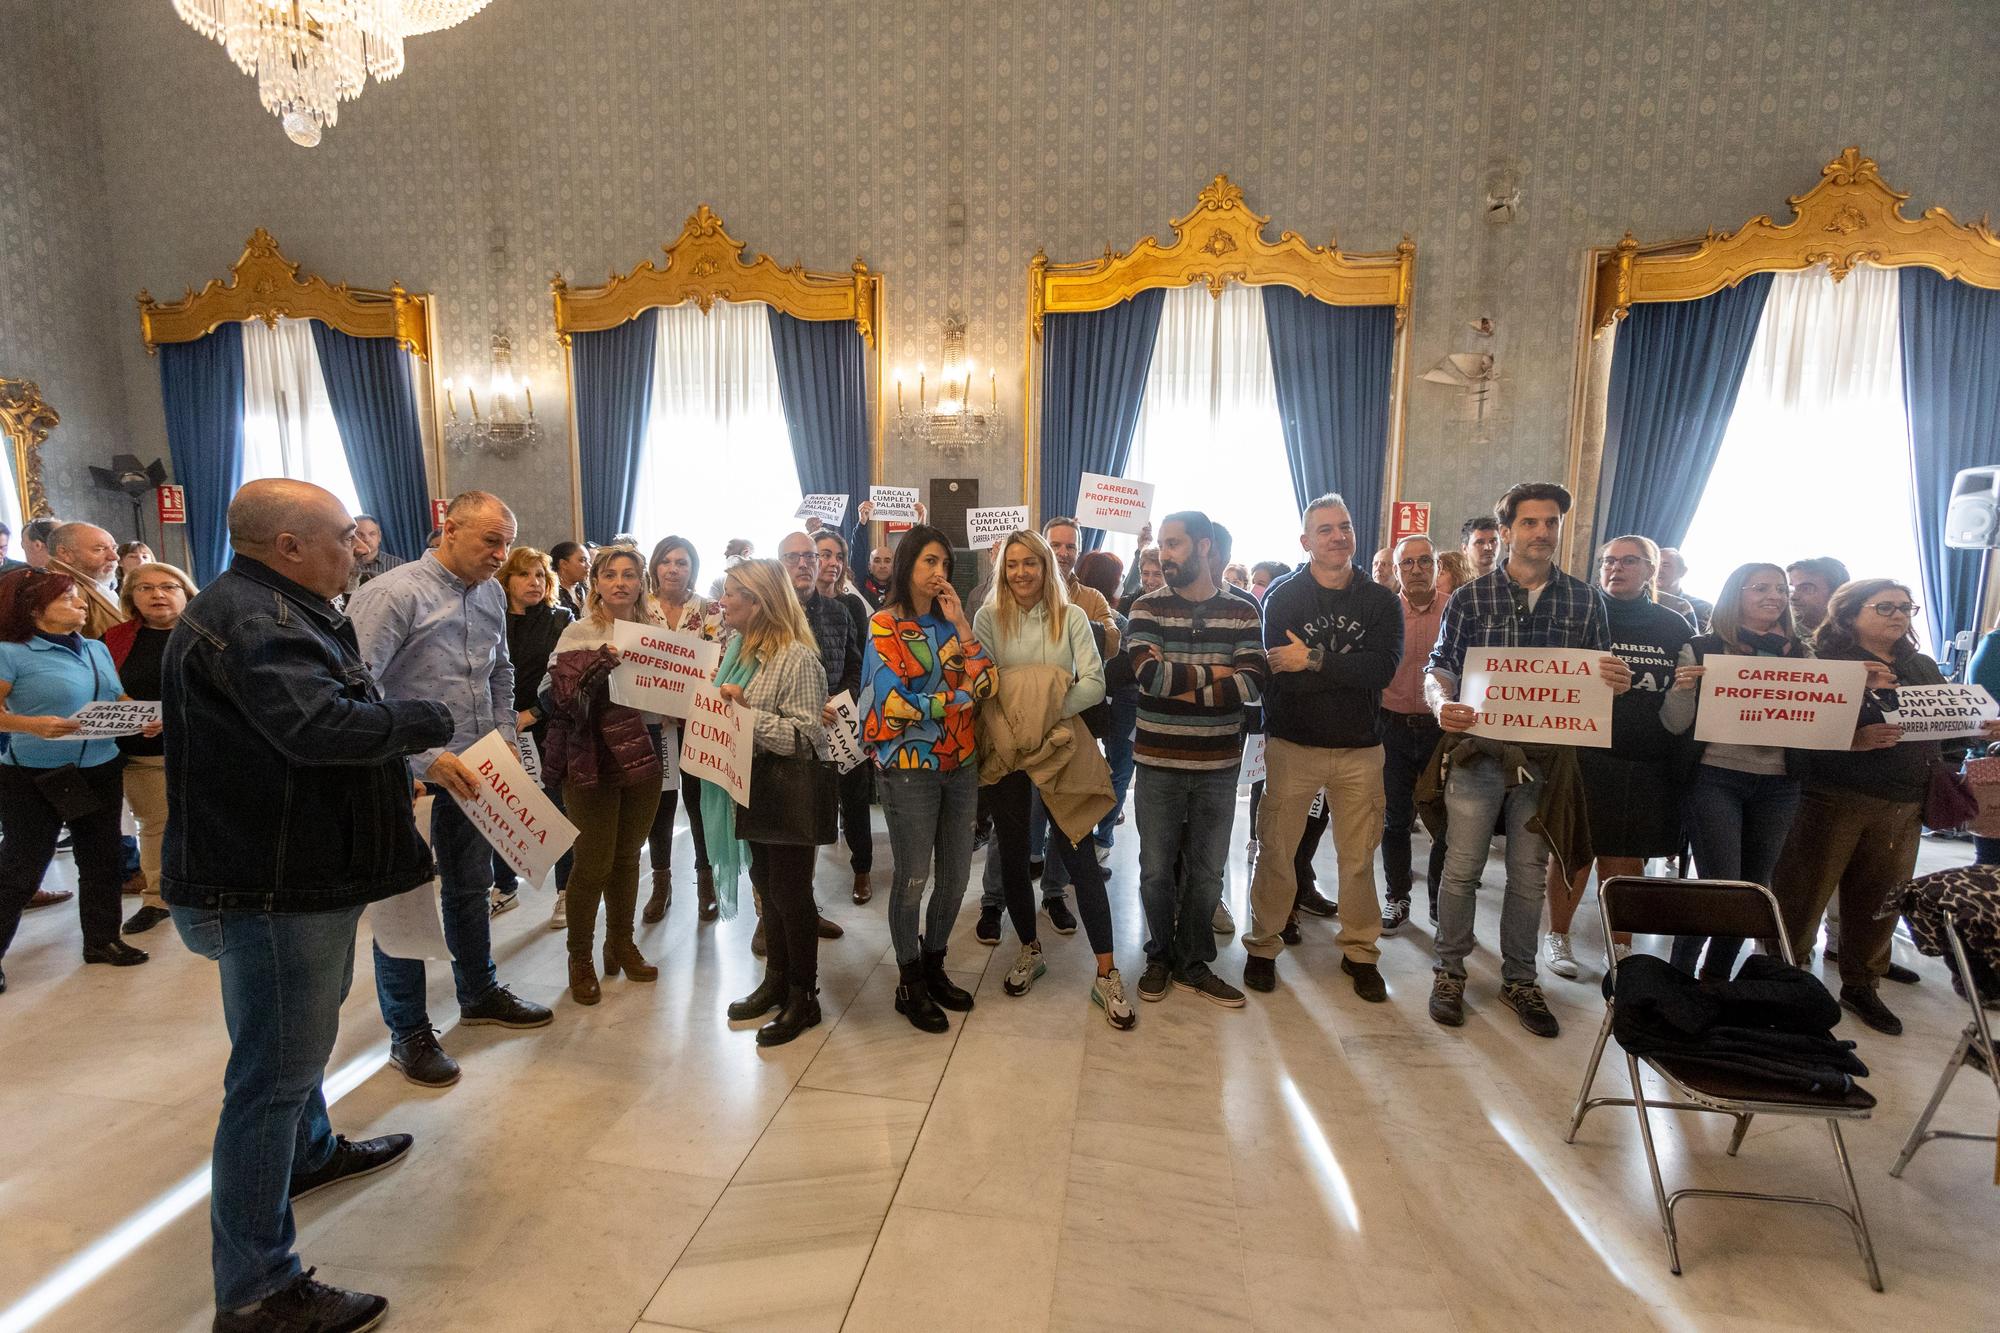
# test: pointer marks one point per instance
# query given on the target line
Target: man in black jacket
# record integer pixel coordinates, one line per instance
(290, 810)
(1333, 638)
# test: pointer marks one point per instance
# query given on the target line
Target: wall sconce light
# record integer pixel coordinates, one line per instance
(507, 427)
(954, 424)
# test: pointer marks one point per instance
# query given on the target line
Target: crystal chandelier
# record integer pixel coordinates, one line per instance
(952, 426)
(308, 56)
(502, 430)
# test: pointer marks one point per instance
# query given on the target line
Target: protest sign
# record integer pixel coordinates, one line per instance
(510, 811)
(893, 504)
(408, 925)
(984, 527)
(530, 755)
(1252, 770)
(843, 738)
(1113, 504)
(657, 667)
(828, 509)
(670, 761)
(1543, 696)
(1941, 712)
(102, 721)
(715, 742)
(1802, 704)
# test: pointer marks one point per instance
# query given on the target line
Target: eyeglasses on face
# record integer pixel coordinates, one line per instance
(799, 558)
(1624, 561)
(1886, 609)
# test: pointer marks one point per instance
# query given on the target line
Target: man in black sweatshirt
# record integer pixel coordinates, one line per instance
(1333, 638)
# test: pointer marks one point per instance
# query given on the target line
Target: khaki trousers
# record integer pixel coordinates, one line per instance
(146, 793)
(1294, 774)
(1861, 849)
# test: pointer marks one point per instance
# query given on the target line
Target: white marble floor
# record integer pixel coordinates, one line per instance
(1308, 1162)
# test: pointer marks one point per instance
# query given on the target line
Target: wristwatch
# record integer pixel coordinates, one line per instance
(1316, 658)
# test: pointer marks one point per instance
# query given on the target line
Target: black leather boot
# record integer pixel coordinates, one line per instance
(948, 993)
(914, 1002)
(801, 1011)
(769, 995)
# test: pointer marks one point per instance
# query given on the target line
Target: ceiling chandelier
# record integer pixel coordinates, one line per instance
(308, 56)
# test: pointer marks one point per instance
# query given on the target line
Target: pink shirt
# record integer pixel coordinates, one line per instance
(1405, 690)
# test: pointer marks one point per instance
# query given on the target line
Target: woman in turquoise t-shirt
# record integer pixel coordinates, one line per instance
(48, 671)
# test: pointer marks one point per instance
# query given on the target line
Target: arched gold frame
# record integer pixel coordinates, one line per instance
(705, 264)
(26, 420)
(263, 284)
(1850, 217)
(1220, 241)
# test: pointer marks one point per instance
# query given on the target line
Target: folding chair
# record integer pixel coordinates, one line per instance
(1975, 1048)
(1645, 906)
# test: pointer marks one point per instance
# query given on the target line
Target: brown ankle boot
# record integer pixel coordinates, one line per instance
(624, 955)
(663, 893)
(704, 885)
(863, 891)
(583, 987)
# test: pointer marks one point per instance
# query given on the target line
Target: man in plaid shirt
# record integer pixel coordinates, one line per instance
(1526, 602)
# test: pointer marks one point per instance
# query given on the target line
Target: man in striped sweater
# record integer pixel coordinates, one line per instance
(1198, 652)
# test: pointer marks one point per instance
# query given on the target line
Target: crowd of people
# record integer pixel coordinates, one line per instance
(317, 695)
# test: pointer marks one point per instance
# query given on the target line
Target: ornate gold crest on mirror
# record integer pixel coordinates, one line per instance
(26, 421)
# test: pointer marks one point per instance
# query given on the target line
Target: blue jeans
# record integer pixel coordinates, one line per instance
(1185, 818)
(465, 872)
(1737, 823)
(1055, 876)
(1118, 754)
(1474, 796)
(929, 815)
(284, 977)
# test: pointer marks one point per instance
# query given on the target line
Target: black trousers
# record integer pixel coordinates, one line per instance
(783, 875)
(857, 784)
(660, 842)
(1408, 739)
(31, 827)
(1009, 800)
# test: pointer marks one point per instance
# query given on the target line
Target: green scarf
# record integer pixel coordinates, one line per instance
(726, 853)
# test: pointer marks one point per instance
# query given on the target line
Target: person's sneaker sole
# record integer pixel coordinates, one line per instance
(413, 1079)
(1152, 996)
(510, 1023)
(377, 1169)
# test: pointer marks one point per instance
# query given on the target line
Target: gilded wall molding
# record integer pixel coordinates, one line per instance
(1850, 217)
(265, 285)
(26, 419)
(704, 265)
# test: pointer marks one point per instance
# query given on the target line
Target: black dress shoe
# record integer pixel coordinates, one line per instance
(1260, 974)
(504, 1009)
(1867, 1006)
(1368, 983)
(1314, 903)
(306, 1307)
(115, 952)
(351, 1161)
(423, 1061)
(1906, 975)
(145, 919)
(1290, 934)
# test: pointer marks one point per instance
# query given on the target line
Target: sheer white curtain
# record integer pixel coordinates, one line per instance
(1209, 433)
(10, 498)
(718, 459)
(1816, 460)
(288, 425)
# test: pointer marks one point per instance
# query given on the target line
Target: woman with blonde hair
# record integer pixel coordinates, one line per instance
(607, 759)
(671, 575)
(1041, 643)
(770, 663)
(152, 596)
(536, 619)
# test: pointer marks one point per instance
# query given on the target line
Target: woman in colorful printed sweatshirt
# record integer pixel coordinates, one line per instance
(921, 673)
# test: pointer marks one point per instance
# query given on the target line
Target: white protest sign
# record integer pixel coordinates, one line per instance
(1941, 712)
(102, 721)
(657, 667)
(510, 811)
(893, 504)
(984, 527)
(715, 742)
(1113, 504)
(1543, 696)
(828, 509)
(408, 925)
(843, 738)
(1809, 704)
(1252, 770)
(670, 762)
(530, 756)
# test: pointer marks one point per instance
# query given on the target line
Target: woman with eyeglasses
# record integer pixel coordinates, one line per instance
(1630, 790)
(1861, 813)
(672, 573)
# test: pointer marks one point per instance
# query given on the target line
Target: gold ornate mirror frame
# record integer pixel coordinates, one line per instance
(1220, 241)
(705, 264)
(1850, 217)
(26, 420)
(263, 284)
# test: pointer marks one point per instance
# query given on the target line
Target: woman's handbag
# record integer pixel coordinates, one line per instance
(1949, 804)
(794, 801)
(67, 793)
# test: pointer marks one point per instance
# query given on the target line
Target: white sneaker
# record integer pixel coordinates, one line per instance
(1103, 855)
(1224, 923)
(1561, 961)
(1620, 952)
(559, 919)
(1108, 994)
(504, 902)
(1026, 968)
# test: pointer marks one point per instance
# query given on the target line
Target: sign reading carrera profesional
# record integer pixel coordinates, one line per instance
(510, 811)
(1941, 712)
(1113, 504)
(658, 667)
(715, 742)
(1542, 696)
(1801, 704)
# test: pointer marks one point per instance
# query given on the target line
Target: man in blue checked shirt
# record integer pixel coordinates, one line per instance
(436, 628)
(1526, 602)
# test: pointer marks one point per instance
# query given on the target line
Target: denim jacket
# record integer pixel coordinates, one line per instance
(286, 781)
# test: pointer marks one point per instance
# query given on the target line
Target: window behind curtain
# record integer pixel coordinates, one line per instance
(10, 498)
(1210, 435)
(717, 459)
(288, 425)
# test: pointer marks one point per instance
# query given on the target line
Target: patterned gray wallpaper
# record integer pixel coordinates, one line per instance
(944, 142)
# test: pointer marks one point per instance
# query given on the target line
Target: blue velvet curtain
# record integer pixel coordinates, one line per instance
(201, 387)
(375, 406)
(823, 380)
(1951, 391)
(1094, 368)
(1674, 375)
(1332, 368)
(611, 373)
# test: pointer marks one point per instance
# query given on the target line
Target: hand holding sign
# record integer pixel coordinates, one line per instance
(1546, 696)
(1113, 504)
(828, 509)
(1943, 712)
(509, 809)
(894, 504)
(843, 732)
(657, 667)
(1802, 704)
(105, 720)
(716, 740)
